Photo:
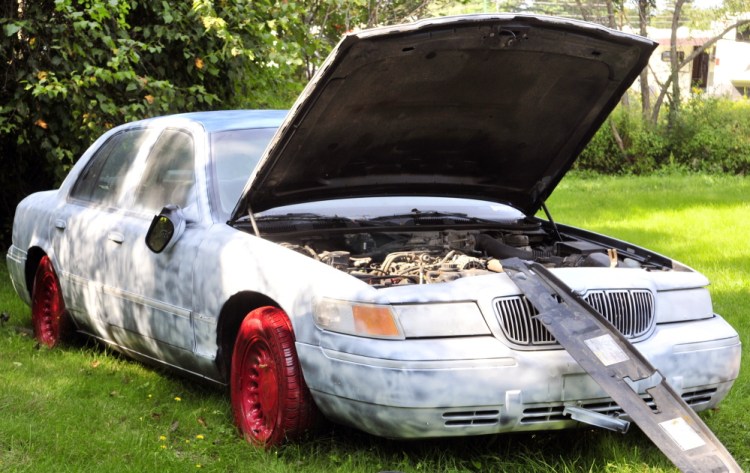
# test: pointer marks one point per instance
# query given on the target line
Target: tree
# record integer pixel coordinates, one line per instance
(75, 68)
(323, 22)
(644, 9)
(673, 61)
(676, 65)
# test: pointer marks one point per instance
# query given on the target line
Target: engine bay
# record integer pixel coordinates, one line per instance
(387, 257)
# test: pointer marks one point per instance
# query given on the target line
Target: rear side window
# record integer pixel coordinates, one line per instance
(169, 177)
(102, 180)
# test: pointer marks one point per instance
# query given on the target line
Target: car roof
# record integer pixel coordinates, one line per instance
(223, 120)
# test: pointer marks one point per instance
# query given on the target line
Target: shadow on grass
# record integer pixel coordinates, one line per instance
(583, 449)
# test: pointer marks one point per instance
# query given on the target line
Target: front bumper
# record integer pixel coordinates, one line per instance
(478, 385)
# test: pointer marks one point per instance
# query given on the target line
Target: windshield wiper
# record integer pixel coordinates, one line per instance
(430, 217)
(302, 216)
(302, 222)
(417, 216)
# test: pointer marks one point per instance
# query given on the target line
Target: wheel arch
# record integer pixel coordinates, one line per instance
(33, 257)
(232, 314)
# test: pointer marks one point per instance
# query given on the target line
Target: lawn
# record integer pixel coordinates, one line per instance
(83, 408)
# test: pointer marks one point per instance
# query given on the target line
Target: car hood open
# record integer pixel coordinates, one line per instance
(495, 107)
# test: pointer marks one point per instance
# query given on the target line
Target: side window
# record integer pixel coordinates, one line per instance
(169, 177)
(102, 180)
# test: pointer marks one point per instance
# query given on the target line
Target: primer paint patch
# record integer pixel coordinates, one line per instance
(606, 349)
(682, 434)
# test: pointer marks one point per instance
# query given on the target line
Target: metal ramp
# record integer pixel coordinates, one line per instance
(616, 365)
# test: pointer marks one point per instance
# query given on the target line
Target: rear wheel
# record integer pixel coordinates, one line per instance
(270, 399)
(48, 314)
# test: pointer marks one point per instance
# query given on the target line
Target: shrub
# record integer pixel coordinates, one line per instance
(645, 149)
(711, 134)
(76, 68)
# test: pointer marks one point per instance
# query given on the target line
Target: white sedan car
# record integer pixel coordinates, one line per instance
(347, 257)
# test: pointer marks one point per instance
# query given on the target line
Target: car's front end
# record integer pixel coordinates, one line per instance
(441, 342)
(478, 385)
(415, 162)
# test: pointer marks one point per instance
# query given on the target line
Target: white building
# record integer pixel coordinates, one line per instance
(723, 69)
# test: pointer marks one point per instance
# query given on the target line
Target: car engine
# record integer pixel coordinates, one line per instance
(427, 257)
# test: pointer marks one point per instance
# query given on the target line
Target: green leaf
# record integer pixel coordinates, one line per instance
(11, 28)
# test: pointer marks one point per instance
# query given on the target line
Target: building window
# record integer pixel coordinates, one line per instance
(665, 55)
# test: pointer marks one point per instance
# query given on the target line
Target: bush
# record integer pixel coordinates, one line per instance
(76, 68)
(713, 135)
(645, 149)
(710, 134)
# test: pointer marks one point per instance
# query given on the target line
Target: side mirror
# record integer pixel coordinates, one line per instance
(166, 228)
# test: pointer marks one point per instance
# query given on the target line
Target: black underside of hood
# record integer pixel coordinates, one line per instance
(490, 107)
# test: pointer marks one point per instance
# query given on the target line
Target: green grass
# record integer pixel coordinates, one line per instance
(83, 408)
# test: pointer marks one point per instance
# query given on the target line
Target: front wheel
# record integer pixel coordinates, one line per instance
(51, 324)
(270, 399)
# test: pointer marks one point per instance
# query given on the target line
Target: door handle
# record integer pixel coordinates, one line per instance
(60, 224)
(116, 237)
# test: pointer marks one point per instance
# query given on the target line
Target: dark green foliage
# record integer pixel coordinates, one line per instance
(710, 135)
(713, 135)
(643, 146)
(75, 68)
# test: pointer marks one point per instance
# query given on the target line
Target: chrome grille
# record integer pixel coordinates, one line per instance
(631, 311)
(515, 316)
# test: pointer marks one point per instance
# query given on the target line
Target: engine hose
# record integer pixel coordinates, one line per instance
(500, 250)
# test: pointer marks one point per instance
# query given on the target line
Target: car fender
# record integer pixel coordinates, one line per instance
(231, 262)
(32, 227)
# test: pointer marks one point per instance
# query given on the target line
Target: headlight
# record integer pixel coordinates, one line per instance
(364, 320)
(681, 305)
(441, 320)
(401, 321)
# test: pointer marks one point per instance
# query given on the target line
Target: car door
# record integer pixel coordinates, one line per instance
(149, 296)
(80, 237)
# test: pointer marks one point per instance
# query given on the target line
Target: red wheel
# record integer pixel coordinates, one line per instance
(270, 399)
(47, 307)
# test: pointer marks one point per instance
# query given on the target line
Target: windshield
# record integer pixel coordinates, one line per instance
(235, 154)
